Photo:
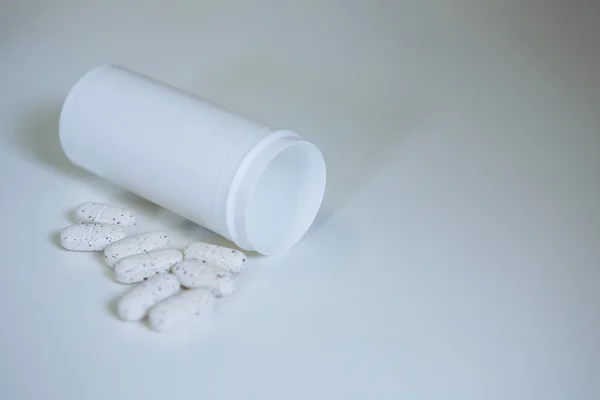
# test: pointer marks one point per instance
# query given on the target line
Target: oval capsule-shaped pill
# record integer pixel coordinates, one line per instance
(90, 237)
(99, 213)
(134, 305)
(195, 274)
(177, 309)
(137, 244)
(232, 261)
(139, 267)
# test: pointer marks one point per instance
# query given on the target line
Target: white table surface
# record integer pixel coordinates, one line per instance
(457, 255)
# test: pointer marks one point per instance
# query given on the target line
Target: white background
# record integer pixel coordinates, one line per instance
(457, 255)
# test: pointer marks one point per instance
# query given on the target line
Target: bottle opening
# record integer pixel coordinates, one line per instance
(286, 198)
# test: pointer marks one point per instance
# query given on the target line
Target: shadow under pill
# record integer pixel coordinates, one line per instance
(55, 239)
(111, 306)
(70, 216)
(106, 270)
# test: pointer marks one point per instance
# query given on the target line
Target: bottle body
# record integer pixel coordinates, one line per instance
(170, 147)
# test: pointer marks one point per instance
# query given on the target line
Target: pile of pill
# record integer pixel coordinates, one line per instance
(170, 285)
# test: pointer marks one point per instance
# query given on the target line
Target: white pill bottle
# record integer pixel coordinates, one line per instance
(260, 188)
